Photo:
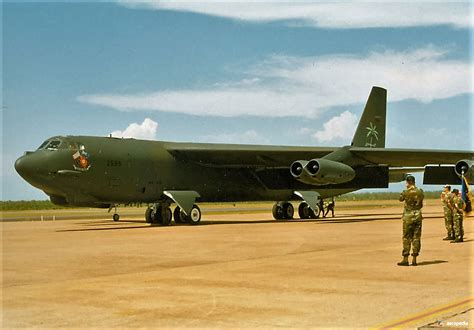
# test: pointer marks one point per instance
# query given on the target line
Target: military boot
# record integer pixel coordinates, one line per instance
(404, 262)
(448, 238)
(413, 261)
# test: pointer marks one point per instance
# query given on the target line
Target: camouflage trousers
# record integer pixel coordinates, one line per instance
(448, 221)
(458, 229)
(411, 232)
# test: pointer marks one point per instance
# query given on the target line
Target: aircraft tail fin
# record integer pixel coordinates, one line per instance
(370, 132)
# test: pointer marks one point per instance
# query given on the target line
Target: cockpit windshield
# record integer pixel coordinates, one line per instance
(43, 144)
(51, 145)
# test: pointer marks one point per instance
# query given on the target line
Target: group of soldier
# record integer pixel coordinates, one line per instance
(453, 206)
(412, 218)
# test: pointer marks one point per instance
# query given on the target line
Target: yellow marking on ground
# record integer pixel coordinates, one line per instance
(428, 313)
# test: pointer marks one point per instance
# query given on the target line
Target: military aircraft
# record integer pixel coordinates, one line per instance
(106, 171)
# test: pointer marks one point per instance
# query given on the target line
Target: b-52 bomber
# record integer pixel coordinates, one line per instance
(106, 171)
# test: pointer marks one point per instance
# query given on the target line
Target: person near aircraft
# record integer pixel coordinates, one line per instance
(412, 220)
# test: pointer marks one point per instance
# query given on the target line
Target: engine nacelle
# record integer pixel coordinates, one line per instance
(465, 167)
(321, 172)
(297, 168)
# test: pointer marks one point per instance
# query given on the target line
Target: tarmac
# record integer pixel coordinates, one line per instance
(236, 269)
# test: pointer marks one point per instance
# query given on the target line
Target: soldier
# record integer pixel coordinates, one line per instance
(330, 207)
(458, 207)
(446, 200)
(412, 218)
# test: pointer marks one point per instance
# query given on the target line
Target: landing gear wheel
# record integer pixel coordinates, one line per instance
(166, 216)
(288, 211)
(149, 215)
(116, 217)
(179, 216)
(194, 216)
(277, 211)
(304, 211)
(156, 215)
(314, 214)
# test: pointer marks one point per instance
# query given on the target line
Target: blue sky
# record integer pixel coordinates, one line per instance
(261, 73)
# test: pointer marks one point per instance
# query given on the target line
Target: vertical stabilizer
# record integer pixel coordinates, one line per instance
(370, 132)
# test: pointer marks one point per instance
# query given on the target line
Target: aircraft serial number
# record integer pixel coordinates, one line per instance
(114, 163)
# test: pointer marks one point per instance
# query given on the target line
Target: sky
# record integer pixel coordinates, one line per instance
(270, 73)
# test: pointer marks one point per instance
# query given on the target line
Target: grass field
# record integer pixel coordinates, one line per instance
(47, 205)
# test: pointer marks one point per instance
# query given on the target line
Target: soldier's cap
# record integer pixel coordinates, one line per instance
(447, 186)
(410, 178)
(455, 191)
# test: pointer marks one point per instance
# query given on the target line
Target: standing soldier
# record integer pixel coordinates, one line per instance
(412, 218)
(446, 199)
(458, 207)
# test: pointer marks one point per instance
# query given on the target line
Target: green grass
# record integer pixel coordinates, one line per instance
(29, 205)
(47, 205)
(382, 196)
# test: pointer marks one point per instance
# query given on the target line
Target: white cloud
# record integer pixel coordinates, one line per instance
(145, 130)
(338, 127)
(283, 86)
(247, 137)
(355, 14)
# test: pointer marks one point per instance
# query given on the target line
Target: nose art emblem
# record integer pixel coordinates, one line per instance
(81, 159)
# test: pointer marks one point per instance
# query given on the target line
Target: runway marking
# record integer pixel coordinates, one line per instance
(428, 313)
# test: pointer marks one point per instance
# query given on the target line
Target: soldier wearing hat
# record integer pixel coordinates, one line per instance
(412, 218)
(446, 200)
(458, 215)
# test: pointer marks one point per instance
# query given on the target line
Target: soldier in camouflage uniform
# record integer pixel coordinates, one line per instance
(446, 200)
(458, 215)
(412, 218)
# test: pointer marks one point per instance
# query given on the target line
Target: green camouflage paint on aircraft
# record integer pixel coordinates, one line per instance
(105, 171)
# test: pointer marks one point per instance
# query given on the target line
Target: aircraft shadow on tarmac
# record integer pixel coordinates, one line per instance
(99, 225)
(348, 218)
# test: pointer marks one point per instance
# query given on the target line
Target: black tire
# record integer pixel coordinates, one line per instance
(179, 216)
(116, 217)
(304, 211)
(194, 217)
(156, 216)
(277, 211)
(148, 215)
(314, 214)
(166, 216)
(288, 211)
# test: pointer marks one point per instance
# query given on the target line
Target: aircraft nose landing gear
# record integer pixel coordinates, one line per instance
(116, 216)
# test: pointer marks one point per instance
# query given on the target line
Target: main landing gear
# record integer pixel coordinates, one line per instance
(285, 211)
(160, 213)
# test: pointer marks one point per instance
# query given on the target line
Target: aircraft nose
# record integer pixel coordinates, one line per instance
(24, 166)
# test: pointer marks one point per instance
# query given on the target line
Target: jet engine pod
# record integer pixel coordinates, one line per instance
(465, 167)
(297, 168)
(323, 171)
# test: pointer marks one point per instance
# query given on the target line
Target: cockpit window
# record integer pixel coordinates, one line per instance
(43, 144)
(53, 145)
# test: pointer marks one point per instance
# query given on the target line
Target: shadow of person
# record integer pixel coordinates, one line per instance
(432, 262)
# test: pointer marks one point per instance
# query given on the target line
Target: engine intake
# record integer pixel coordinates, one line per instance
(465, 167)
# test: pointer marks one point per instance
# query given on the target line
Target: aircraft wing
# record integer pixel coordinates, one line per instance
(238, 156)
(255, 156)
(410, 157)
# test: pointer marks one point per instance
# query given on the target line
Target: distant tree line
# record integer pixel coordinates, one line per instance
(47, 205)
